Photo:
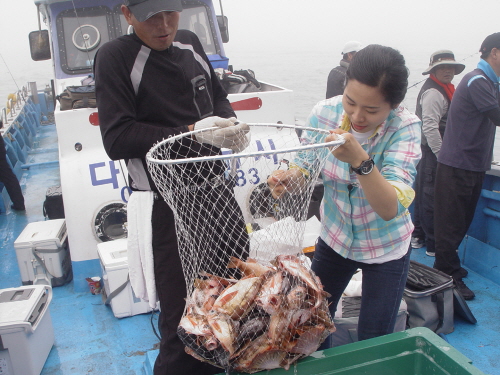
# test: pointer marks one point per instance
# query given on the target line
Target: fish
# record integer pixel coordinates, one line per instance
(270, 298)
(224, 330)
(195, 300)
(296, 297)
(283, 324)
(249, 268)
(258, 322)
(298, 317)
(309, 340)
(278, 331)
(195, 324)
(252, 328)
(209, 342)
(267, 360)
(237, 300)
(322, 315)
(254, 349)
(294, 267)
(259, 354)
(207, 291)
(290, 359)
(211, 286)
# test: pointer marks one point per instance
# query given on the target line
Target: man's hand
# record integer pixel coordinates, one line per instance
(291, 181)
(228, 133)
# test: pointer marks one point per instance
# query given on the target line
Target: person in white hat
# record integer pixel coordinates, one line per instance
(433, 103)
(336, 78)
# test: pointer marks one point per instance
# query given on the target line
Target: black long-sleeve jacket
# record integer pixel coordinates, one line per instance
(336, 80)
(144, 96)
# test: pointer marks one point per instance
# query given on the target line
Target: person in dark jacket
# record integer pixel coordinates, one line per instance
(433, 103)
(336, 78)
(9, 179)
(465, 156)
(150, 85)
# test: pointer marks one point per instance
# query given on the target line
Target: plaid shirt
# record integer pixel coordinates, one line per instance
(349, 224)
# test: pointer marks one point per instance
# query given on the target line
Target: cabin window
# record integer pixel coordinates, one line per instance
(80, 34)
(196, 19)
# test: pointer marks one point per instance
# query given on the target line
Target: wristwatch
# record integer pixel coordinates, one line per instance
(365, 167)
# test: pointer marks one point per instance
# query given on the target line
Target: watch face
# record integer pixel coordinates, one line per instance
(365, 168)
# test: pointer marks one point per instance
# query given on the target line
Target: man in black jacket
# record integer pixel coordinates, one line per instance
(336, 78)
(150, 85)
(9, 179)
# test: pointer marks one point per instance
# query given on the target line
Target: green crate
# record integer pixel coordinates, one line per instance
(416, 351)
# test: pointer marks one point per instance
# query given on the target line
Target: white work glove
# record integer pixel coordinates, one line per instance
(228, 133)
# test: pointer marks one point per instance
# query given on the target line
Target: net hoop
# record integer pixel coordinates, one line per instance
(332, 145)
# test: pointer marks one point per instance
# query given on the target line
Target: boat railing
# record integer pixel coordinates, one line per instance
(21, 119)
(15, 102)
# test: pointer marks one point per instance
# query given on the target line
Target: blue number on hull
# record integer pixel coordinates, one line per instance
(252, 176)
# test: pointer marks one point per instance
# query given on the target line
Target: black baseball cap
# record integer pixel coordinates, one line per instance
(491, 41)
(144, 9)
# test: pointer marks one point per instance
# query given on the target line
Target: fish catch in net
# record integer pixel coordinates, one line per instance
(253, 302)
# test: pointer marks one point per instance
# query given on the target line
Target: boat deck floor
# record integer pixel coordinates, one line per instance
(479, 342)
(89, 339)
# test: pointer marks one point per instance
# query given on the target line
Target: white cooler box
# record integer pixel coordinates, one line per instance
(26, 332)
(43, 254)
(114, 266)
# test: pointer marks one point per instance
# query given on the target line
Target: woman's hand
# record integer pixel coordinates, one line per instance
(380, 194)
(351, 151)
(290, 181)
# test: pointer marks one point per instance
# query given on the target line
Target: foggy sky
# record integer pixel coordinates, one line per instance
(266, 25)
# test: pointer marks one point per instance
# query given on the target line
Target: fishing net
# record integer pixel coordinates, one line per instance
(253, 302)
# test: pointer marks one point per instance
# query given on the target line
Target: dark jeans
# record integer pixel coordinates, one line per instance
(426, 178)
(383, 285)
(456, 193)
(9, 179)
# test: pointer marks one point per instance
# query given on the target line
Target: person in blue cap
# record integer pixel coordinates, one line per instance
(465, 156)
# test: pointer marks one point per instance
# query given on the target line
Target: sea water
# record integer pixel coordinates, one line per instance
(306, 72)
(302, 70)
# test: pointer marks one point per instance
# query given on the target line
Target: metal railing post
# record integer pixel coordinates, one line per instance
(34, 92)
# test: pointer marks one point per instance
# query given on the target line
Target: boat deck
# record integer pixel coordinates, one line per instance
(90, 340)
(479, 342)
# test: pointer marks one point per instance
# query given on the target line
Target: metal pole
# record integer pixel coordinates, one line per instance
(34, 92)
(4, 117)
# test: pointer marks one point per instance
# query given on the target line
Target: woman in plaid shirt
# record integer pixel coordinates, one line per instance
(368, 186)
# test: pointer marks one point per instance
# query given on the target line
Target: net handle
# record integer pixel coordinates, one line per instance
(332, 145)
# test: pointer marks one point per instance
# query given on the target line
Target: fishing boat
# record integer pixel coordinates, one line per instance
(50, 147)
